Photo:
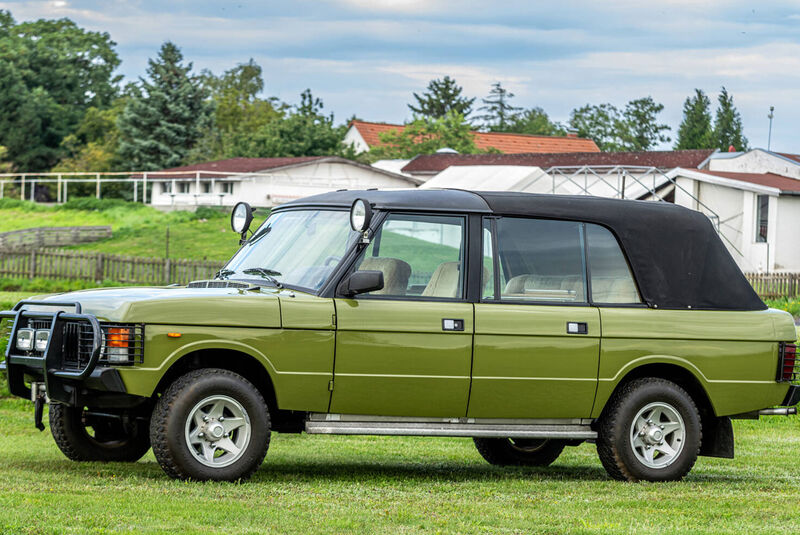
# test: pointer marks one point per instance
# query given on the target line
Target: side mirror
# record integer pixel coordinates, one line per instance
(360, 282)
(241, 217)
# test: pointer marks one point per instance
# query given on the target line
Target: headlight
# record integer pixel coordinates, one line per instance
(40, 340)
(117, 344)
(25, 339)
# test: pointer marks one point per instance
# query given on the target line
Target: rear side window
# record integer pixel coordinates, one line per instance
(610, 276)
(540, 261)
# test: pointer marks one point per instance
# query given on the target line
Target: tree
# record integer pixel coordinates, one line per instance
(165, 115)
(695, 130)
(305, 131)
(426, 136)
(499, 113)
(239, 110)
(443, 96)
(599, 123)
(51, 72)
(94, 144)
(728, 128)
(536, 122)
(638, 128)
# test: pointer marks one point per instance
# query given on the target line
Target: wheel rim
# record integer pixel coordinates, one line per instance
(527, 445)
(218, 431)
(657, 435)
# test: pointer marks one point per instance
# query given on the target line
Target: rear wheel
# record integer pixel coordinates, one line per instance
(210, 424)
(86, 435)
(650, 431)
(519, 451)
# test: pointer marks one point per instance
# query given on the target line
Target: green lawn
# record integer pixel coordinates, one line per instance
(396, 485)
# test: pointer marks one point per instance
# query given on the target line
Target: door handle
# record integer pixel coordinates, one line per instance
(452, 325)
(576, 327)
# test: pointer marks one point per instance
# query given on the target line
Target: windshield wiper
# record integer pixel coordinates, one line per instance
(268, 274)
(223, 273)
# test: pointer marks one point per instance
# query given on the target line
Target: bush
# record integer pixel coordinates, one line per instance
(95, 204)
(7, 203)
(789, 304)
(207, 212)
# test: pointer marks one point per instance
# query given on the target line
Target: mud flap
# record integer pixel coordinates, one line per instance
(717, 437)
(38, 412)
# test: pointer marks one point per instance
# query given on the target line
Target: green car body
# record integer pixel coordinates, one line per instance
(320, 352)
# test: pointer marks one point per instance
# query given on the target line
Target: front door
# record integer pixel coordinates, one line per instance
(537, 339)
(406, 350)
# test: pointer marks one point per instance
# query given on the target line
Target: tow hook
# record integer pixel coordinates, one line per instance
(39, 398)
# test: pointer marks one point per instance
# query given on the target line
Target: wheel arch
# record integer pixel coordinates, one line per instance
(717, 439)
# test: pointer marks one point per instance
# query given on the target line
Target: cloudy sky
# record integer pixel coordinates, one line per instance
(365, 57)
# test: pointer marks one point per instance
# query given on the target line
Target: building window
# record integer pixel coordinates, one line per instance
(183, 187)
(206, 187)
(762, 218)
(226, 188)
(166, 187)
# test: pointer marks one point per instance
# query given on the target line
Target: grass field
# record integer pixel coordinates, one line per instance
(396, 485)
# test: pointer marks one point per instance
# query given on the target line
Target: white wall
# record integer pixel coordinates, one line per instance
(787, 236)
(354, 139)
(277, 187)
(755, 161)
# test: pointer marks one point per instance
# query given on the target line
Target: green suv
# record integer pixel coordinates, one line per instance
(527, 322)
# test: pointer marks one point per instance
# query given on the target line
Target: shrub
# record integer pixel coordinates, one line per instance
(95, 204)
(789, 304)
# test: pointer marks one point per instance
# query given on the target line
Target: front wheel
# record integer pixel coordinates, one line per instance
(519, 451)
(86, 435)
(650, 431)
(210, 424)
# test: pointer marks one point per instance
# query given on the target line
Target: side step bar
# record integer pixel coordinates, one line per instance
(335, 424)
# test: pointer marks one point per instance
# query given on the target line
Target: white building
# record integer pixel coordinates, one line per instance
(265, 181)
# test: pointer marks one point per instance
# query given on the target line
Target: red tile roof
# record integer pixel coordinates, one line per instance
(436, 163)
(504, 142)
(795, 157)
(233, 165)
(785, 184)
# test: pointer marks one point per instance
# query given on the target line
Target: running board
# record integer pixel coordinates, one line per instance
(337, 424)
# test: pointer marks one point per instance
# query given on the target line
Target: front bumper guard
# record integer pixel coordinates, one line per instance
(61, 383)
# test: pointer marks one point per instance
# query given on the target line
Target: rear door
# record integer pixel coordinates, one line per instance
(537, 339)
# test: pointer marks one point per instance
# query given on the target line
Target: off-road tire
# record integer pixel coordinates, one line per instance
(110, 443)
(167, 425)
(614, 442)
(533, 452)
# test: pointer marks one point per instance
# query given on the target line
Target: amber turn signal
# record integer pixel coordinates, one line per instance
(173, 335)
(118, 337)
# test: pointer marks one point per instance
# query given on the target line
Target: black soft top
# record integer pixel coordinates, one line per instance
(677, 257)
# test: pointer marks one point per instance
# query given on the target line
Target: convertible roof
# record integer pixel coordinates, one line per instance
(676, 255)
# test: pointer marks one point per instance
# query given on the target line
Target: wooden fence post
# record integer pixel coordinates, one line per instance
(167, 270)
(32, 267)
(99, 273)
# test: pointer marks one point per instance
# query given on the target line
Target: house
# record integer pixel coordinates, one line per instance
(753, 197)
(362, 136)
(265, 181)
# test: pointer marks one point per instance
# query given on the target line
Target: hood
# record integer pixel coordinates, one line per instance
(234, 307)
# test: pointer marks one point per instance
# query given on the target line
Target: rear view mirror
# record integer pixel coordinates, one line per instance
(360, 282)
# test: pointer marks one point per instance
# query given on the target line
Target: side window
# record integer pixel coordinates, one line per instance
(540, 261)
(487, 277)
(419, 255)
(610, 275)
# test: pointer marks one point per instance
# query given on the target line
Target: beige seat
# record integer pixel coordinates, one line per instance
(444, 281)
(395, 274)
(535, 287)
(614, 290)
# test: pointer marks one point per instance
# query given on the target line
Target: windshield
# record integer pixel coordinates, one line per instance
(295, 248)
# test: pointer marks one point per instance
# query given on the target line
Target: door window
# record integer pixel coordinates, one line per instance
(420, 256)
(539, 261)
(610, 275)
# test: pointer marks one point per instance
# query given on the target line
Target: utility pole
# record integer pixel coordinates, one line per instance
(770, 116)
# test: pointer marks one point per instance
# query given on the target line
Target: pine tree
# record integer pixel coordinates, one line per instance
(443, 96)
(499, 113)
(728, 124)
(695, 131)
(165, 115)
(638, 127)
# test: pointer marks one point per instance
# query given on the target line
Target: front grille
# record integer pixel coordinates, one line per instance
(788, 366)
(122, 344)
